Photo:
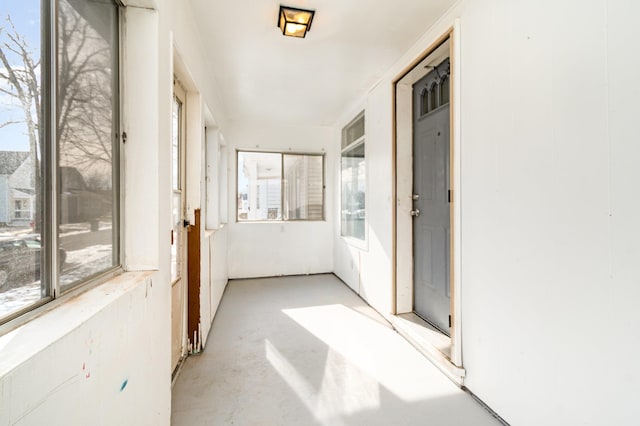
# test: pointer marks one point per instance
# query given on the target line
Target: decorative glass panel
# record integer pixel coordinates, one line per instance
(433, 97)
(424, 102)
(444, 91)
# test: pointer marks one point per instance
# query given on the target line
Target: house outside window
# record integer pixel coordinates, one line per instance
(59, 173)
(280, 186)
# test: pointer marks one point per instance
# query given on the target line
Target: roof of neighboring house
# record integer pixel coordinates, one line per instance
(11, 160)
(22, 193)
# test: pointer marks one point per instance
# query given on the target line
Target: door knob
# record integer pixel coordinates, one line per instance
(415, 213)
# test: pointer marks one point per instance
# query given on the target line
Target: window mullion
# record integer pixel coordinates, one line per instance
(51, 217)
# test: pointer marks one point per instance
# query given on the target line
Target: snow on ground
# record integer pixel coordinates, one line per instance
(85, 262)
(79, 265)
(17, 298)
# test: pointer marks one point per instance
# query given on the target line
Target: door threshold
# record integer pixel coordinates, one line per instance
(430, 342)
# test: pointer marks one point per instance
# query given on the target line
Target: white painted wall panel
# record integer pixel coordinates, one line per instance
(98, 362)
(536, 225)
(140, 122)
(376, 261)
(549, 220)
(214, 277)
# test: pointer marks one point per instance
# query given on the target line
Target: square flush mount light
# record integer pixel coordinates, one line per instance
(295, 22)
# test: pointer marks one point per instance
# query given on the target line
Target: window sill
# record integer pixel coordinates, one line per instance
(54, 322)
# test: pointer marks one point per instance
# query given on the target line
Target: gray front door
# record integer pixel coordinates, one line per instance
(431, 189)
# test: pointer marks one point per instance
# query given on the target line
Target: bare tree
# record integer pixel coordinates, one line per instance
(84, 94)
(23, 85)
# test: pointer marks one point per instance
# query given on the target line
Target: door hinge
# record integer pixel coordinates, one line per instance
(449, 321)
(449, 195)
(124, 137)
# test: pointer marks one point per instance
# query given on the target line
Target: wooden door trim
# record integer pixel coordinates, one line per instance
(451, 34)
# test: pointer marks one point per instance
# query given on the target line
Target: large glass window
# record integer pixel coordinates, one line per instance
(353, 179)
(58, 171)
(276, 186)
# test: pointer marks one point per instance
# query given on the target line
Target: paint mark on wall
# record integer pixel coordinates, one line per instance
(124, 384)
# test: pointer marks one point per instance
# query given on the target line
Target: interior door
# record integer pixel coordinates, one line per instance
(431, 198)
(178, 231)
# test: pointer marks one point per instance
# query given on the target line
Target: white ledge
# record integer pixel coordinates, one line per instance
(25, 341)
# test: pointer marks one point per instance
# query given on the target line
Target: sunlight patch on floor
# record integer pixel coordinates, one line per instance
(370, 345)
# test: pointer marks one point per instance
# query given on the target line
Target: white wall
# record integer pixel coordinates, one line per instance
(280, 248)
(549, 241)
(367, 267)
(104, 357)
(214, 278)
(96, 360)
(204, 108)
(549, 237)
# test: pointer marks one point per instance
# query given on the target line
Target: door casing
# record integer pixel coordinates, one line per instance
(179, 285)
(402, 292)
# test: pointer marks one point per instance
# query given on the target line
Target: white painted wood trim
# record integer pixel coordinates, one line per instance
(456, 338)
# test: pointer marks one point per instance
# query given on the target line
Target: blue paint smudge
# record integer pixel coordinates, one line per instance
(124, 385)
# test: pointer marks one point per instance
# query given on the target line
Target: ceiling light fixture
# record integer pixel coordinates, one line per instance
(294, 22)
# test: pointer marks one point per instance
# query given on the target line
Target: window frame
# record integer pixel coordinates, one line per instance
(282, 184)
(51, 288)
(345, 148)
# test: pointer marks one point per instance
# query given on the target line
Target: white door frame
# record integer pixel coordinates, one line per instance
(403, 185)
(180, 284)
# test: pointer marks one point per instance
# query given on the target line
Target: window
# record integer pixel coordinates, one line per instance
(22, 209)
(353, 178)
(59, 156)
(433, 97)
(216, 179)
(277, 186)
(424, 102)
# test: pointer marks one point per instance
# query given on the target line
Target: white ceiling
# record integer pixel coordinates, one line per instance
(265, 77)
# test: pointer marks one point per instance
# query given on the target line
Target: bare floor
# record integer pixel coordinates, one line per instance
(306, 351)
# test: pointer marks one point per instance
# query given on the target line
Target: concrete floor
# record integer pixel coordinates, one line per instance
(306, 351)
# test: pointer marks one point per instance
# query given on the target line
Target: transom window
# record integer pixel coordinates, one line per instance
(280, 186)
(59, 128)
